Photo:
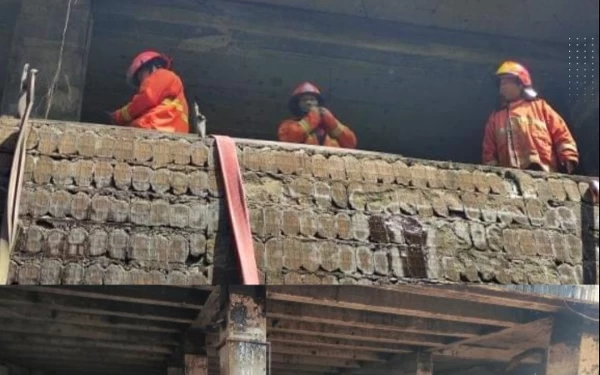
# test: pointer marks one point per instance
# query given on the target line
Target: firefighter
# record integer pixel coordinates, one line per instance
(313, 123)
(527, 133)
(160, 103)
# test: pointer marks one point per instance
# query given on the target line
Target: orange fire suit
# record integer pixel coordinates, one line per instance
(527, 133)
(317, 129)
(160, 105)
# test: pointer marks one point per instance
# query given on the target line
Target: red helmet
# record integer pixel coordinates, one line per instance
(302, 89)
(142, 60)
(521, 73)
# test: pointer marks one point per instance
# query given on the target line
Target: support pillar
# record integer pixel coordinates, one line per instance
(573, 348)
(61, 62)
(243, 340)
(196, 364)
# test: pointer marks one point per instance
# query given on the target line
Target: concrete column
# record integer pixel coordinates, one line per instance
(196, 364)
(243, 349)
(573, 348)
(38, 40)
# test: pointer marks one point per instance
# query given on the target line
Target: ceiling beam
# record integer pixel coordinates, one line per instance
(213, 306)
(392, 302)
(329, 353)
(313, 341)
(371, 320)
(313, 361)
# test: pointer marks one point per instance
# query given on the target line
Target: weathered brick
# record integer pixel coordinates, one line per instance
(433, 178)
(575, 248)
(106, 147)
(478, 236)
(339, 195)
(568, 276)
(119, 211)
(55, 243)
(159, 213)
(80, 206)
(161, 181)
(35, 239)
(140, 178)
(360, 227)
(527, 243)
(535, 212)
(50, 272)
(330, 254)
(326, 227)
(72, 274)
(118, 242)
(141, 277)
(439, 205)
(48, 141)
(450, 179)
(300, 188)
(481, 182)
(356, 196)
(465, 181)
(141, 248)
(97, 242)
(87, 144)
(84, 172)
(179, 215)
(141, 212)
(179, 249)
(257, 221)
(292, 278)
(251, 159)
(524, 182)
(352, 166)
(320, 166)
(30, 162)
(560, 247)
(40, 203)
(45, 168)
(142, 150)
(288, 162)
(77, 243)
(409, 200)
(473, 204)
(572, 190)
(63, 173)
(197, 245)
(311, 255)
(115, 275)
(558, 190)
(29, 274)
(161, 155)
(511, 242)
(122, 175)
(198, 183)
(60, 204)
(567, 219)
(495, 238)
(337, 170)
(381, 262)
(181, 152)
(401, 173)
(124, 150)
(544, 244)
(308, 223)
(461, 229)
(103, 173)
(423, 205)
(322, 194)
(275, 258)
(273, 221)
(94, 275)
(365, 261)
(291, 223)
(343, 224)
(497, 184)
(551, 219)
(451, 269)
(418, 176)
(101, 206)
(544, 191)
(179, 183)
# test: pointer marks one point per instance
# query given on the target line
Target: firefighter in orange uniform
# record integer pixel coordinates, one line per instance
(160, 103)
(526, 133)
(314, 124)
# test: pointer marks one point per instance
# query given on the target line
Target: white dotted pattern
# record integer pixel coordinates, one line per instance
(583, 68)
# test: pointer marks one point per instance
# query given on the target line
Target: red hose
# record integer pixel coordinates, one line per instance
(238, 209)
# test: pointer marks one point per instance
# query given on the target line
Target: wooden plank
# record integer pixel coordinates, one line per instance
(47, 315)
(372, 320)
(410, 364)
(15, 296)
(391, 302)
(68, 330)
(312, 361)
(156, 295)
(329, 353)
(211, 309)
(303, 368)
(313, 341)
(8, 338)
(481, 354)
(382, 336)
(104, 354)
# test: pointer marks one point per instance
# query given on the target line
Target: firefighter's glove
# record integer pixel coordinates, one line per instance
(311, 121)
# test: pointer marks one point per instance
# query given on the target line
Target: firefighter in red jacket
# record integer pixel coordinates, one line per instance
(526, 132)
(160, 103)
(314, 124)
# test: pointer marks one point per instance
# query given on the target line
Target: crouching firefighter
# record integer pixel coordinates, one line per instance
(313, 123)
(526, 132)
(160, 103)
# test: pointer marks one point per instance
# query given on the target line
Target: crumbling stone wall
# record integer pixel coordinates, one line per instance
(109, 205)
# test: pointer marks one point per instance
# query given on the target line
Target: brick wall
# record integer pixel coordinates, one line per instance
(107, 205)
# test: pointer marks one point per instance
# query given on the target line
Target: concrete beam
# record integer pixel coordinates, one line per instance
(243, 348)
(573, 348)
(54, 37)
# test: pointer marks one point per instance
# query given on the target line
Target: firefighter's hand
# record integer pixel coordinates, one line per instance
(313, 118)
(328, 120)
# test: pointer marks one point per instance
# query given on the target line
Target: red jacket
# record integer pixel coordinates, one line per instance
(316, 129)
(526, 133)
(160, 105)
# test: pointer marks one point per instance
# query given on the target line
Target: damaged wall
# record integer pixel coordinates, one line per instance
(148, 208)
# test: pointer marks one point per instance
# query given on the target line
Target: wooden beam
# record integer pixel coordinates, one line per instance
(47, 315)
(328, 353)
(213, 306)
(313, 341)
(371, 320)
(68, 330)
(392, 302)
(483, 354)
(276, 366)
(104, 354)
(155, 295)
(16, 296)
(382, 336)
(313, 361)
(409, 364)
